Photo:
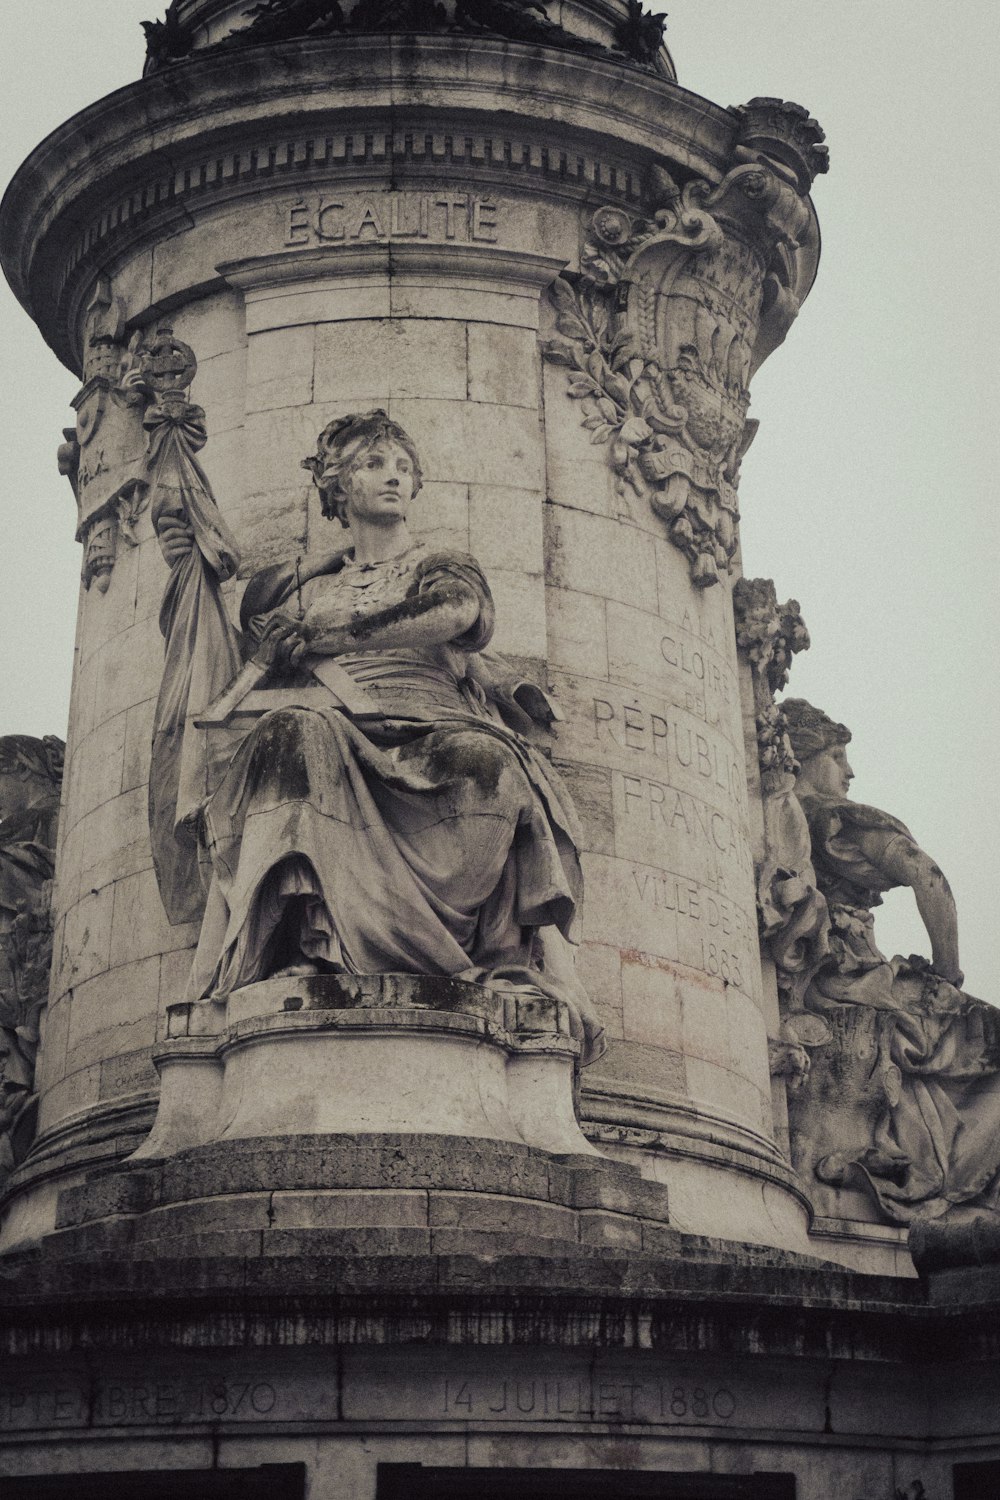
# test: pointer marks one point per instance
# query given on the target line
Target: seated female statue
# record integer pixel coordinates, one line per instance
(426, 835)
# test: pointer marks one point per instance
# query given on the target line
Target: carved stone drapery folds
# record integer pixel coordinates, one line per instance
(902, 1100)
(30, 780)
(670, 316)
(103, 456)
(201, 650)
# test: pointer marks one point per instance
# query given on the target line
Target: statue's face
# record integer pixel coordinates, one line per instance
(379, 485)
(828, 773)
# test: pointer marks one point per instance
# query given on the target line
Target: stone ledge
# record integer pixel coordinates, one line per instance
(704, 1297)
(455, 1194)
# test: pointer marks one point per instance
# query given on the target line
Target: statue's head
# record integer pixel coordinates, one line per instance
(30, 771)
(818, 743)
(343, 448)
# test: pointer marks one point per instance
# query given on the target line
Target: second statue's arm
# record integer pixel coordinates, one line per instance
(907, 864)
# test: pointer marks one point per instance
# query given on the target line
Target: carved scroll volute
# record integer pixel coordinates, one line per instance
(670, 317)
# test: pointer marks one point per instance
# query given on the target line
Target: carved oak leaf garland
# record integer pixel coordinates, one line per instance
(620, 391)
(607, 372)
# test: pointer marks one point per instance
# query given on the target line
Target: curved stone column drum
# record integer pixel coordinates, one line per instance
(557, 270)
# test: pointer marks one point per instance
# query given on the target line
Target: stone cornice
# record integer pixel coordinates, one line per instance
(698, 1297)
(226, 121)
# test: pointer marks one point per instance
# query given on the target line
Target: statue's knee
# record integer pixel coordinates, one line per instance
(477, 759)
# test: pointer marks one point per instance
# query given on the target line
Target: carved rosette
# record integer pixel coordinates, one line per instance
(670, 316)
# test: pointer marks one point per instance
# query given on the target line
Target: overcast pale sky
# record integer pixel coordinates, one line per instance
(868, 494)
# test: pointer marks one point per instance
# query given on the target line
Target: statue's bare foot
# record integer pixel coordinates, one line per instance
(304, 967)
(297, 970)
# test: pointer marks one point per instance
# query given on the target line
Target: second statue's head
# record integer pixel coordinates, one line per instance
(347, 447)
(819, 744)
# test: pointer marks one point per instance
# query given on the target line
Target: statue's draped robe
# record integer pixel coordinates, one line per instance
(201, 655)
(938, 1142)
(429, 839)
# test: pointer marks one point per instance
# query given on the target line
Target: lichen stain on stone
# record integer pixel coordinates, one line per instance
(453, 757)
(692, 977)
(409, 609)
(279, 756)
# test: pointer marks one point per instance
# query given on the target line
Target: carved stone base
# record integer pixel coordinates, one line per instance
(369, 1193)
(394, 1053)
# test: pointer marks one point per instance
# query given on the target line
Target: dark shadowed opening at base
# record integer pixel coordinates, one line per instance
(414, 1482)
(268, 1482)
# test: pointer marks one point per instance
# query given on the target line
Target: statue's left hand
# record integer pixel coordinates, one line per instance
(176, 538)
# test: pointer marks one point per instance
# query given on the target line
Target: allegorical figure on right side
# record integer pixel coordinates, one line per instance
(937, 1143)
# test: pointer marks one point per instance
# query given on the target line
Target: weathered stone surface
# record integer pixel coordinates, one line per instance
(632, 33)
(30, 777)
(902, 1105)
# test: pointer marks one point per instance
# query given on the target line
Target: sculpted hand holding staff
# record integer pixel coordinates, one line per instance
(425, 835)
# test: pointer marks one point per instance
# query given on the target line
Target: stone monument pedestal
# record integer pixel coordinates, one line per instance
(391, 1053)
(500, 285)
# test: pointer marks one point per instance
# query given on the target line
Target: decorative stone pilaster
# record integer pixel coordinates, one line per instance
(793, 919)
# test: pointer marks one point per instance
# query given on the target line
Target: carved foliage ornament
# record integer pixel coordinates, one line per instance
(769, 634)
(638, 36)
(670, 316)
(792, 916)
